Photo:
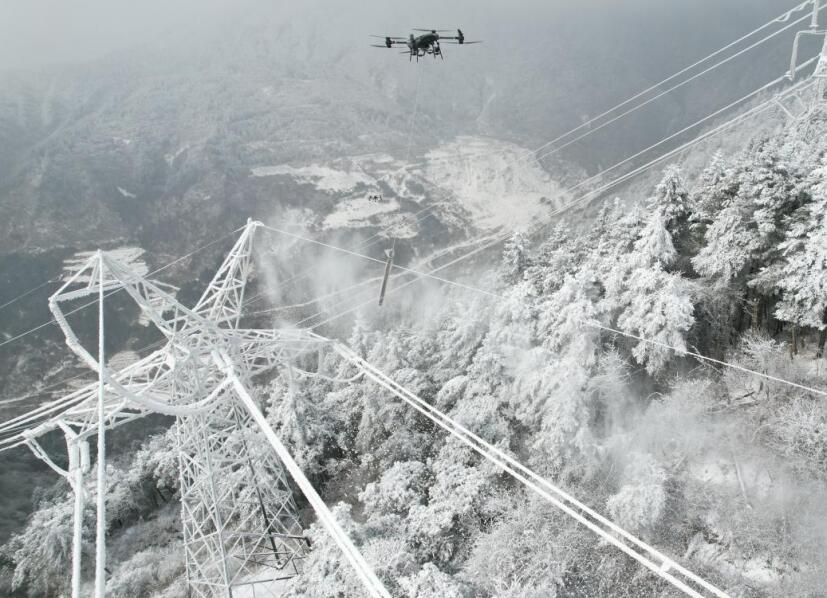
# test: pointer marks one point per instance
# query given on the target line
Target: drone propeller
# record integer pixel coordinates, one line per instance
(389, 37)
(433, 30)
(442, 41)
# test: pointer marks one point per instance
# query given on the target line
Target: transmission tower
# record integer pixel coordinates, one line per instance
(240, 523)
(820, 74)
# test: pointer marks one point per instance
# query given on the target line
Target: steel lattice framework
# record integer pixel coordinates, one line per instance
(239, 517)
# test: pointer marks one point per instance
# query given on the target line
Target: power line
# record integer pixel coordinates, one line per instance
(62, 383)
(623, 178)
(420, 275)
(29, 292)
(671, 89)
(784, 17)
(579, 511)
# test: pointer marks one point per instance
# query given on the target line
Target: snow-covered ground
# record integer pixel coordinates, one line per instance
(357, 212)
(324, 178)
(499, 183)
(253, 588)
(495, 183)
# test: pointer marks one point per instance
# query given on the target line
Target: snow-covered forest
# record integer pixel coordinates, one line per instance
(717, 467)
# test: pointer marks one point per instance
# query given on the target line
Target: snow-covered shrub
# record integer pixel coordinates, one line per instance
(400, 487)
(430, 582)
(151, 570)
(640, 502)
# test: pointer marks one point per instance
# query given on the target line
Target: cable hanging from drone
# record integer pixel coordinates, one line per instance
(389, 253)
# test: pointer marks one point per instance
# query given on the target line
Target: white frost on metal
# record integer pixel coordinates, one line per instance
(240, 522)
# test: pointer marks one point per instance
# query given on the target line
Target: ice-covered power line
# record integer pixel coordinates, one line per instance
(661, 565)
(432, 274)
(783, 18)
(27, 293)
(61, 384)
(419, 275)
(802, 85)
(669, 90)
(772, 103)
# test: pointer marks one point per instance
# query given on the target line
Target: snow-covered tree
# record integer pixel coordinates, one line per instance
(715, 187)
(749, 227)
(558, 256)
(430, 582)
(149, 571)
(654, 246)
(400, 488)
(514, 258)
(731, 243)
(671, 199)
(660, 311)
(640, 503)
(803, 280)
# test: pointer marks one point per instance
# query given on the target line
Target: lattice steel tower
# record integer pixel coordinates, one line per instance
(240, 522)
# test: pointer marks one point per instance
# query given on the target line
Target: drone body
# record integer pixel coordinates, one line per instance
(422, 45)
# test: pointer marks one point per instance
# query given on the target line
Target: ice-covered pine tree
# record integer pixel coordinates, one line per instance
(515, 258)
(803, 282)
(671, 198)
(655, 303)
(654, 246)
(559, 255)
(746, 233)
(715, 188)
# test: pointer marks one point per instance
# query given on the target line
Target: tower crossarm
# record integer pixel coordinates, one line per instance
(223, 299)
(240, 523)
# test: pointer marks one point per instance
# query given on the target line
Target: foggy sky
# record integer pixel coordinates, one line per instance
(35, 33)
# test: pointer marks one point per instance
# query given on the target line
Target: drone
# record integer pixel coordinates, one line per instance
(427, 43)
